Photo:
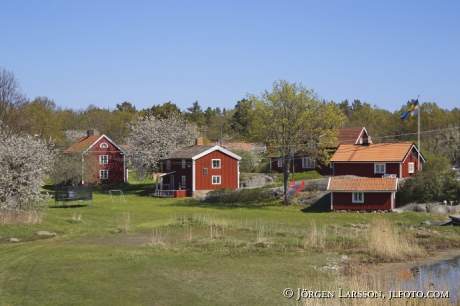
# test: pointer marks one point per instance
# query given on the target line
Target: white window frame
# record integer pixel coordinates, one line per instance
(184, 180)
(218, 163)
(168, 165)
(357, 197)
(308, 163)
(411, 167)
(205, 171)
(280, 162)
(183, 164)
(377, 168)
(103, 159)
(104, 174)
(104, 145)
(216, 180)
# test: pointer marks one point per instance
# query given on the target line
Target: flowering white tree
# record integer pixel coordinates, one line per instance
(24, 161)
(152, 138)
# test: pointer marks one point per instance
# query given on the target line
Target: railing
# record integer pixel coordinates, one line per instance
(164, 193)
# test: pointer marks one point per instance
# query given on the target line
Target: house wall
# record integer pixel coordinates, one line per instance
(176, 165)
(412, 157)
(115, 164)
(364, 169)
(296, 166)
(372, 201)
(228, 172)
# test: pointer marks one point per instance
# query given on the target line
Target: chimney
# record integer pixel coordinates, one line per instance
(199, 142)
(90, 133)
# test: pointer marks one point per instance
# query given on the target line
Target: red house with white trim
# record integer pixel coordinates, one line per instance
(362, 193)
(200, 168)
(376, 160)
(108, 159)
(302, 163)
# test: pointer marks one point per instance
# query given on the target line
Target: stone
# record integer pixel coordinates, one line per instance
(426, 223)
(45, 233)
(14, 240)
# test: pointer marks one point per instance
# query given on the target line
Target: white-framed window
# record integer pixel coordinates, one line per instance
(216, 179)
(358, 197)
(168, 165)
(184, 180)
(103, 174)
(183, 164)
(103, 159)
(205, 171)
(216, 163)
(280, 162)
(331, 165)
(379, 168)
(104, 145)
(308, 162)
(411, 167)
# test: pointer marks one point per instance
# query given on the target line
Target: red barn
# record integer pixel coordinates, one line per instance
(108, 158)
(362, 193)
(200, 168)
(301, 163)
(377, 160)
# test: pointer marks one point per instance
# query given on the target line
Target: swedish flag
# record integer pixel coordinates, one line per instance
(412, 111)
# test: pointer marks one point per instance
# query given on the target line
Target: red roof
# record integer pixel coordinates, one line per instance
(362, 184)
(350, 134)
(376, 152)
(82, 144)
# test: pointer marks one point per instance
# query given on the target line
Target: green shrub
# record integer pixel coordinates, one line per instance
(298, 176)
(225, 195)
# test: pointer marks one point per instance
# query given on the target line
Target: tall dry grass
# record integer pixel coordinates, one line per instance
(315, 237)
(20, 217)
(124, 223)
(385, 242)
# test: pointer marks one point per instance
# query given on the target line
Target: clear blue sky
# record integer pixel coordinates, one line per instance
(81, 52)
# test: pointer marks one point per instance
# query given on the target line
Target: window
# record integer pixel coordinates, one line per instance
(358, 197)
(216, 163)
(308, 162)
(184, 180)
(103, 174)
(280, 162)
(216, 179)
(183, 164)
(104, 145)
(168, 165)
(205, 171)
(411, 167)
(379, 168)
(103, 159)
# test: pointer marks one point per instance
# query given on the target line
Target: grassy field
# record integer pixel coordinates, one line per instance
(150, 251)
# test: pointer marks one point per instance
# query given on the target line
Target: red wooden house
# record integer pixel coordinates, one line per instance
(362, 193)
(199, 168)
(376, 160)
(302, 163)
(107, 158)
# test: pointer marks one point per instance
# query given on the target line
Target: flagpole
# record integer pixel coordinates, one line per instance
(418, 133)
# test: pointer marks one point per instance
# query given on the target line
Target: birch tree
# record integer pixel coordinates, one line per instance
(293, 119)
(152, 138)
(24, 161)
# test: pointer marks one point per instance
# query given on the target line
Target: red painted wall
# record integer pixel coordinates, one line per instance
(228, 172)
(412, 157)
(364, 169)
(115, 164)
(176, 165)
(372, 201)
(296, 166)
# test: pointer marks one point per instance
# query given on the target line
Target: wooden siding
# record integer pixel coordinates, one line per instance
(372, 201)
(296, 166)
(410, 159)
(115, 166)
(228, 172)
(364, 169)
(176, 165)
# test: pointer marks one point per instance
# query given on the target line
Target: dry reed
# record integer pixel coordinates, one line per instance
(20, 217)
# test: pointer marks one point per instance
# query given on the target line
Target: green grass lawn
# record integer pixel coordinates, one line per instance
(176, 251)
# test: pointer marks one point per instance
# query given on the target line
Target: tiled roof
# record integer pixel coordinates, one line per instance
(349, 134)
(188, 152)
(378, 152)
(362, 184)
(82, 144)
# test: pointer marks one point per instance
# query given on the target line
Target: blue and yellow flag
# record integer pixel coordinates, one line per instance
(412, 111)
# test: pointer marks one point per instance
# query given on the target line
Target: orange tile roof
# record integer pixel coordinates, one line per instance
(376, 152)
(82, 144)
(362, 184)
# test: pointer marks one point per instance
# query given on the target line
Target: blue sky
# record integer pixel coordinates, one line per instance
(215, 52)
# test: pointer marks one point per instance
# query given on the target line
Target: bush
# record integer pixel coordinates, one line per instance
(225, 195)
(298, 176)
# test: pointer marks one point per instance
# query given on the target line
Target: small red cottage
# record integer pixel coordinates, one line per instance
(199, 168)
(362, 193)
(377, 160)
(108, 159)
(351, 135)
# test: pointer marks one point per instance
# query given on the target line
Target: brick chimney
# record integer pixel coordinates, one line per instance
(199, 141)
